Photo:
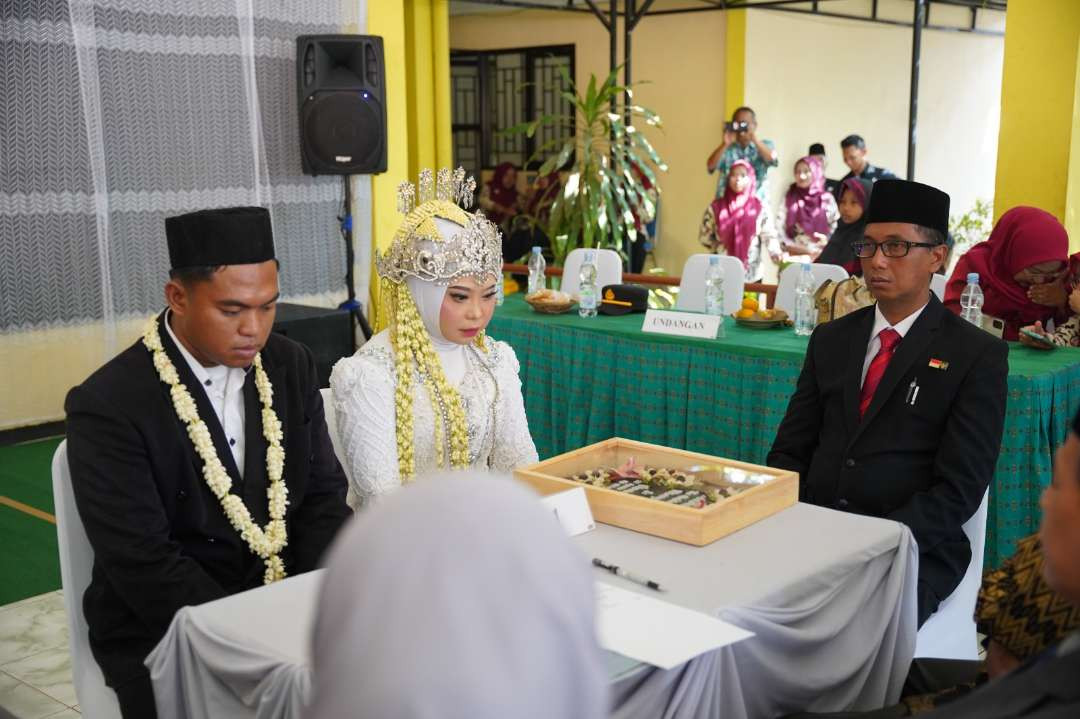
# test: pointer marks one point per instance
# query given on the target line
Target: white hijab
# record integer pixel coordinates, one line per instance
(428, 297)
(461, 597)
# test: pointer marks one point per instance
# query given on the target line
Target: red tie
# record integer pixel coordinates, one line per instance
(889, 339)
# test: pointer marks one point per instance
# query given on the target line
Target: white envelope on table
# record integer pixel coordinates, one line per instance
(657, 632)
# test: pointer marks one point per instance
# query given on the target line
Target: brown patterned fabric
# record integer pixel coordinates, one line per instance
(1018, 610)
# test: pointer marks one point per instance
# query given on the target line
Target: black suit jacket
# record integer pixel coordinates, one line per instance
(1044, 688)
(925, 464)
(160, 538)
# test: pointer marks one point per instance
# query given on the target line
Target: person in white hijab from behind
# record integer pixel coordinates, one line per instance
(432, 391)
(457, 599)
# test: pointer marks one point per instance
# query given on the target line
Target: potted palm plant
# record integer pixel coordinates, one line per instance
(609, 167)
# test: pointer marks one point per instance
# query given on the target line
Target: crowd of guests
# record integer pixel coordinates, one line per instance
(817, 217)
(184, 448)
(519, 215)
(1028, 279)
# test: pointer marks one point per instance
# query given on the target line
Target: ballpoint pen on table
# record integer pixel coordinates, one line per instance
(619, 571)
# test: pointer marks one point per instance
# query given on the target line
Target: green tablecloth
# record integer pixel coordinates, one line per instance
(589, 379)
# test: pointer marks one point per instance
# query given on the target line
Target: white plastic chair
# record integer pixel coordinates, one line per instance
(351, 499)
(76, 566)
(950, 632)
(608, 269)
(785, 289)
(331, 422)
(692, 287)
(937, 285)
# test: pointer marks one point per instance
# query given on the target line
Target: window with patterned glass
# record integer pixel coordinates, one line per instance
(497, 89)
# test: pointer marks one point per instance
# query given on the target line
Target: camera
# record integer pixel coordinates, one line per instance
(738, 126)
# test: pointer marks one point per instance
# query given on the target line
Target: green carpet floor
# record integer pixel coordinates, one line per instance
(29, 562)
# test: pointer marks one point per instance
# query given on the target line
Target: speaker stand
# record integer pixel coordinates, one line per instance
(351, 304)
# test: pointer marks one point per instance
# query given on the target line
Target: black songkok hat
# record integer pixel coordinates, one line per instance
(226, 236)
(914, 202)
(1076, 423)
(622, 299)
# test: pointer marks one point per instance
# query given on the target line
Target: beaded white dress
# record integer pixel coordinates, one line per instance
(363, 395)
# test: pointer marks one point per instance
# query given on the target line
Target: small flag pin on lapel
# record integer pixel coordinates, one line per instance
(938, 364)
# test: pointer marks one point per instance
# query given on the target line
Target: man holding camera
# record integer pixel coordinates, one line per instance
(741, 143)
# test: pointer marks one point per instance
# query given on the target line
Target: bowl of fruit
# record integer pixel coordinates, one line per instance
(751, 315)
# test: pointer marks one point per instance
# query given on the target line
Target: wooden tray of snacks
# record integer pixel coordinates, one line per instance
(686, 496)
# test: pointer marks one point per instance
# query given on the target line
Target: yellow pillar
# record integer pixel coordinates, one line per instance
(440, 54)
(1072, 194)
(416, 49)
(1037, 152)
(734, 60)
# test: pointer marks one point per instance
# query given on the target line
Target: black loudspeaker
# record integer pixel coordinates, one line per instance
(341, 90)
(328, 333)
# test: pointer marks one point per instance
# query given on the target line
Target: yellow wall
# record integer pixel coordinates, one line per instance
(821, 79)
(809, 79)
(1072, 197)
(417, 63)
(687, 89)
(1037, 108)
(734, 61)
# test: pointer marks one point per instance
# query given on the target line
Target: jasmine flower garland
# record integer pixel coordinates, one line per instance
(266, 543)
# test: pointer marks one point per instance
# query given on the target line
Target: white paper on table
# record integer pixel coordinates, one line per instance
(656, 632)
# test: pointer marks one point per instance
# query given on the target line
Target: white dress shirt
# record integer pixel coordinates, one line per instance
(224, 388)
(880, 323)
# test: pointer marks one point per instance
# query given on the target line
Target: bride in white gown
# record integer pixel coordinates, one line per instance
(432, 390)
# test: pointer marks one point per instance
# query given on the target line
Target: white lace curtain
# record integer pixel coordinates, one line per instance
(117, 113)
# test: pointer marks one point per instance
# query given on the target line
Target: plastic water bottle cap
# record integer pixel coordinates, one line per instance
(805, 268)
(536, 250)
(973, 278)
(714, 260)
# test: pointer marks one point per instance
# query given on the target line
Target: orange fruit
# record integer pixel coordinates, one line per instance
(750, 304)
(745, 313)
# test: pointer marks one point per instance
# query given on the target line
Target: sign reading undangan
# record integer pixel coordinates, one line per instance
(687, 324)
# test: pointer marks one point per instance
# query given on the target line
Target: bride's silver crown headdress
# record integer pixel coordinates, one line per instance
(420, 250)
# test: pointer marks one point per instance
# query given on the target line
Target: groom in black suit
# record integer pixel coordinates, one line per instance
(160, 536)
(899, 409)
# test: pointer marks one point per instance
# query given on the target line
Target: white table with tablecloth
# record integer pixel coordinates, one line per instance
(829, 596)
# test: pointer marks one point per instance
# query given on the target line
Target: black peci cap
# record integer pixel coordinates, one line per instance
(225, 236)
(913, 202)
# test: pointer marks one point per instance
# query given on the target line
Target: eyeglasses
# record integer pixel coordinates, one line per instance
(889, 248)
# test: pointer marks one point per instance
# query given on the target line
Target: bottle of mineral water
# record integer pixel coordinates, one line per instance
(536, 270)
(714, 292)
(587, 289)
(971, 300)
(805, 312)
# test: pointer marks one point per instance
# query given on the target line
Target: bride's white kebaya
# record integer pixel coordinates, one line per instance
(432, 390)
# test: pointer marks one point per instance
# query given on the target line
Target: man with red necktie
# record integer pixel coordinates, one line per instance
(899, 409)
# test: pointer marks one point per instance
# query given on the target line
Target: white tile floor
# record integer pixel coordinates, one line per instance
(35, 667)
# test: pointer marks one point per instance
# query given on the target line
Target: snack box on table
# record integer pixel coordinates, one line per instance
(684, 524)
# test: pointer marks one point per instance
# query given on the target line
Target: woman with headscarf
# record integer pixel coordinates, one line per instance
(431, 390)
(738, 224)
(526, 229)
(1021, 269)
(499, 197)
(854, 199)
(808, 214)
(458, 598)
